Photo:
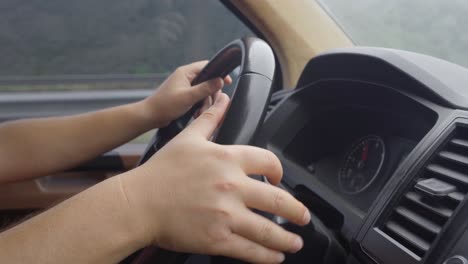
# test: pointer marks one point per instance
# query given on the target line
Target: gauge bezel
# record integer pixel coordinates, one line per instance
(350, 152)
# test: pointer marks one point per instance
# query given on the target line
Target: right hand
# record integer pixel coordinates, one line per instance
(194, 196)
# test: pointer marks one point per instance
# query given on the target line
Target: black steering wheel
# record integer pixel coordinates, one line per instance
(246, 113)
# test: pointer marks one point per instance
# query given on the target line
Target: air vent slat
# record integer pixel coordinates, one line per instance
(459, 142)
(418, 220)
(408, 236)
(452, 156)
(417, 198)
(457, 196)
(423, 211)
(454, 175)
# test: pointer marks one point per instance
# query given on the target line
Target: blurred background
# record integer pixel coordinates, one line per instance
(106, 44)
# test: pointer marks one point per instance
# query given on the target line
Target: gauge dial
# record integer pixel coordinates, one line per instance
(361, 164)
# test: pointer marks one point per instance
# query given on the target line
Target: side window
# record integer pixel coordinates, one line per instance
(67, 45)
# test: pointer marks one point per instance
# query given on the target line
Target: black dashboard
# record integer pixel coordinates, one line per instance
(374, 142)
(355, 164)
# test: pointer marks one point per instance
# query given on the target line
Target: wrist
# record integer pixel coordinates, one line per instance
(149, 114)
(139, 200)
(96, 221)
(130, 221)
(145, 116)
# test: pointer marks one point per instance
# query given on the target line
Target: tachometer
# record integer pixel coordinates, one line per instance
(361, 164)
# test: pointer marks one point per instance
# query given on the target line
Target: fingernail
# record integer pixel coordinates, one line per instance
(306, 217)
(297, 244)
(280, 258)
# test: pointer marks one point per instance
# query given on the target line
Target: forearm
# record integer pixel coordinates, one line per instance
(92, 227)
(32, 148)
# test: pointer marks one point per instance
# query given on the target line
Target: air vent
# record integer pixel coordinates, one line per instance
(426, 208)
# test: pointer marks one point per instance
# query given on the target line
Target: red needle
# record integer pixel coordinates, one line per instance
(365, 152)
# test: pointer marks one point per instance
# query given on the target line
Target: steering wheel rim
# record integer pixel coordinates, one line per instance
(243, 119)
(257, 63)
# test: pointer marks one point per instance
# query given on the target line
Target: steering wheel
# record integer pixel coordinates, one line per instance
(246, 113)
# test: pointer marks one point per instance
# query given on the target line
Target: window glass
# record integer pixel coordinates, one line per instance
(433, 27)
(106, 44)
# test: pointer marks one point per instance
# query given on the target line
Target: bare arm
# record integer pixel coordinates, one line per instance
(91, 227)
(37, 147)
(200, 207)
(32, 148)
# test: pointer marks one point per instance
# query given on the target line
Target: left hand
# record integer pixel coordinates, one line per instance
(176, 95)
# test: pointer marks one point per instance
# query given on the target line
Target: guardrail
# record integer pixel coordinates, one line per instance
(81, 79)
(53, 103)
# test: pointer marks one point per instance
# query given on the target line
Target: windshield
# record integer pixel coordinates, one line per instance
(434, 27)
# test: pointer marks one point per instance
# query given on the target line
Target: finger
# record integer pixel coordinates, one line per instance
(208, 121)
(203, 90)
(241, 248)
(215, 95)
(258, 161)
(193, 69)
(228, 80)
(266, 233)
(269, 198)
(206, 104)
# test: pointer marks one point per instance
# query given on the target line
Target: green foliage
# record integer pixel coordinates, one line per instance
(55, 37)
(433, 27)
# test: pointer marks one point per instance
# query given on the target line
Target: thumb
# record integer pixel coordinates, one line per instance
(209, 120)
(201, 91)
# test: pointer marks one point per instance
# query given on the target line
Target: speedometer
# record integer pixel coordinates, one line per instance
(361, 164)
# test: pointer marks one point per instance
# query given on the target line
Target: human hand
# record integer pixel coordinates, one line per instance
(195, 196)
(176, 95)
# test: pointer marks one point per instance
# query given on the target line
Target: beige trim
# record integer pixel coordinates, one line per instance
(47, 191)
(296, 29)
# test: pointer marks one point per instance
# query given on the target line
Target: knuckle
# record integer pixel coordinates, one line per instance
(224, 154)
(221, 215)
(208, 86)
(208, 115)
(214, 84)
(191, 75)
(265, 232)
(226, 186)
(278, 199)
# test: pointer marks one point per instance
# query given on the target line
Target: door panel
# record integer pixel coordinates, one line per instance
(46, 191)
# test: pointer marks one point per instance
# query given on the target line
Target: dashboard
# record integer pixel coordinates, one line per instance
(355, 164)
(374, 141)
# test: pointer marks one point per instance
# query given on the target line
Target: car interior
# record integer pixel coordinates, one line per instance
(372, 139)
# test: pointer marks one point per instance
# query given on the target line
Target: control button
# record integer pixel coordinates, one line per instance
(456, 260)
